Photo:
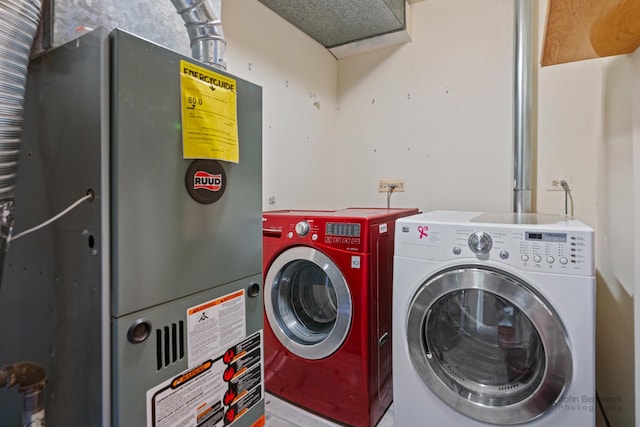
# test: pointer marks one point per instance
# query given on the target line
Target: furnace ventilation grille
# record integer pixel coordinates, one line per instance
(169, 344)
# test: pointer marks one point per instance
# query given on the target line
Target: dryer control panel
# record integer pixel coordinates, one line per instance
(350, 229)
(346, 234)
(564, 247)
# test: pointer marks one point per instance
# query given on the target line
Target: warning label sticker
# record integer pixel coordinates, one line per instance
(215, 393)
(215, 325)
(209, 114)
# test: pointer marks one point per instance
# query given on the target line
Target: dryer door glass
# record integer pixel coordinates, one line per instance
(307, 302)
(308, 298)
(487, 341)
(488, 345)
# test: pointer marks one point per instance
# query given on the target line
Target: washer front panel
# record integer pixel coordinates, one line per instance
(307, 302)
(488, 345)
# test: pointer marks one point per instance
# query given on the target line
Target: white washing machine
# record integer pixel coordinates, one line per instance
(493, 320)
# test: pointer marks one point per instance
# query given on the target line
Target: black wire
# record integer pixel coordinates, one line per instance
(567, 196)
(606, 420)
(389, 191)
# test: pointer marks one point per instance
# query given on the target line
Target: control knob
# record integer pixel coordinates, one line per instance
(302, 228)
(480, 242)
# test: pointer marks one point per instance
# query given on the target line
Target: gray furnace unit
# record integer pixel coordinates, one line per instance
(143, 303)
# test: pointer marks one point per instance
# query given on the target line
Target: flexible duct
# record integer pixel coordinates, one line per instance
(204, 27)
(18, 24)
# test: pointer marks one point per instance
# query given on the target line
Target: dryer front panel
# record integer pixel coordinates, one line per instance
(488, 345)
(307, 302)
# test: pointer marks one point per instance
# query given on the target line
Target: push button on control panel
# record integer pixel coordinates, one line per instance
(537, 258)
(550, 259)
(524, 257)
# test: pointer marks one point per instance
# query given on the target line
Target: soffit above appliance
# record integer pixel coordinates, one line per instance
(584, 29)
(335, 23)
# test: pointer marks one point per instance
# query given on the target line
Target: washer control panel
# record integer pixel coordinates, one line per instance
(523, 246)
(537, 250)
(551, 247)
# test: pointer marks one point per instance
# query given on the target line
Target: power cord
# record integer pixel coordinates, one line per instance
(390, 189)
(606, 420)
(567, 196)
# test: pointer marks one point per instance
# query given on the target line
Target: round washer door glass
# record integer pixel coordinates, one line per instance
(488, 345)
(307, 302)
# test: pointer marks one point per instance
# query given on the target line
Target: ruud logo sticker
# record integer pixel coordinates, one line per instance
(206, 181)
(202, 179)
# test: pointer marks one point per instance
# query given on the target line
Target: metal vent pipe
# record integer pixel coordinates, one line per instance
(204, 27)
(523, 48)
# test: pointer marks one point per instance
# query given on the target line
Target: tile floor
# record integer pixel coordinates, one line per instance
(283, 414)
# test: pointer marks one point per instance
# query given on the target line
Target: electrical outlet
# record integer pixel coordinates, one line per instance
(383, 185)
(554, 184)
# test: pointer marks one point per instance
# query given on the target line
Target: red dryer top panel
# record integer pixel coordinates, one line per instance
(345, 229)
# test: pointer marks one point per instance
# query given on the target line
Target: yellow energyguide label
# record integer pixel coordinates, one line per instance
(209, 114)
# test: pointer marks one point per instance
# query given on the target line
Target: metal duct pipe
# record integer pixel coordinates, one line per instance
(30, 379)
(523, 16)
(18, 24)
(205, 32)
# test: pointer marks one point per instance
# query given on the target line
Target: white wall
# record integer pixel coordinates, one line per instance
(569, 131)
(585, 133)
(436, 112)
(295, 72)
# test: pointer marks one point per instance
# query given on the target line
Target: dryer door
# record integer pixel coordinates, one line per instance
(488, 345)
(307, 302)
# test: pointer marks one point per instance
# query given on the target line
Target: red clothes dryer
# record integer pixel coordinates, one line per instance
(327, 291)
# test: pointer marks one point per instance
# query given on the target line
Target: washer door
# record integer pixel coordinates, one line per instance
(488, 345)
(307, 302)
